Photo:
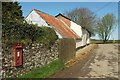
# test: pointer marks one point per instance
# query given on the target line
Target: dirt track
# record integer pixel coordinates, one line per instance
(101, 64)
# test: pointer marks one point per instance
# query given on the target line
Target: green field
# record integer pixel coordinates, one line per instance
(108, 42)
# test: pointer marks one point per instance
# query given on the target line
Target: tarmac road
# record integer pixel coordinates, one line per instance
(103, 63)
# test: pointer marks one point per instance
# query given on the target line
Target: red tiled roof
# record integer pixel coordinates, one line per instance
(58, 25)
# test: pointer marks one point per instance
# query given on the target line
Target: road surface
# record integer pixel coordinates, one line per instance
(103, 63)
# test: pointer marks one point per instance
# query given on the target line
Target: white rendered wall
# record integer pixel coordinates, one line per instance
(59, 36)
(80, 32)
(88, 37)
(76, 28)
(85, 39)
(78, 44)
(88, 41)
(34, 18)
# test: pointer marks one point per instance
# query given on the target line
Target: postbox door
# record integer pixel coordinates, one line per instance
(18, 55)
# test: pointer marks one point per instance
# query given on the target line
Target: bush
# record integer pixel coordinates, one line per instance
(48, 36)
(28, 34)
(16, 30)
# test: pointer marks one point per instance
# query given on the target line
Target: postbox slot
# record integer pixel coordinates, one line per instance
(18, 55)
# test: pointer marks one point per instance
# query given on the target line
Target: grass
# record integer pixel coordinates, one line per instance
(45, 71)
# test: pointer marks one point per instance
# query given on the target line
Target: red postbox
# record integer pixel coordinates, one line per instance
(18, 55)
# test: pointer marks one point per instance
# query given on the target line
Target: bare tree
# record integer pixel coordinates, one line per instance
(83, 17)
(106, 27)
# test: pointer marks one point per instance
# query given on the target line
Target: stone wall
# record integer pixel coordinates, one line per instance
(34, 56)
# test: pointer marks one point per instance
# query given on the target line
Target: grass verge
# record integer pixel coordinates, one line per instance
(45, 71)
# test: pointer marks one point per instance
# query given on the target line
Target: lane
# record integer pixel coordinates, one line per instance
(72, 71)
(101, 64)
(105, 63)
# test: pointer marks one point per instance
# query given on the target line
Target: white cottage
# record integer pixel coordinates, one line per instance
(63, 26)
(80, 31)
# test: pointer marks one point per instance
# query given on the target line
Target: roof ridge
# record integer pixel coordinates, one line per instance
(71, 20)
(43, 12)
(63, 16)
(60, 26)
(68, 27)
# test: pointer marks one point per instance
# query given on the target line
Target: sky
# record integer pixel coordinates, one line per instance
(53, 8)
(67, 0)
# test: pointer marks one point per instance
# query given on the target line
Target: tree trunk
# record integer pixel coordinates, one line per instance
(104, 41)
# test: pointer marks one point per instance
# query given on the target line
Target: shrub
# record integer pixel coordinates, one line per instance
(28, 34)
(48, 36)
(16, 30)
